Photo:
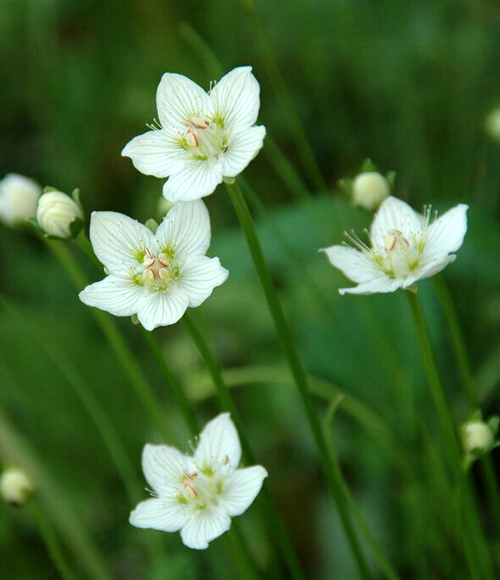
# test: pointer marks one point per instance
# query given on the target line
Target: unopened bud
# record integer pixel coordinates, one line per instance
(492, 124)
(55, 212)
(369, 190)
(478, 438)
(18, 198)
(15, 486)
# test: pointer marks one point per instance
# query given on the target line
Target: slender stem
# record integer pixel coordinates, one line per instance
(65, 515)
(51, 542)
(122, 351)
(294, 362)
(226, 402)
(474, 545)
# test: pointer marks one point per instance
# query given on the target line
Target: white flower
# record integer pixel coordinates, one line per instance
(369, 190)
(405, 247)
(198, 494)
(55, 212)
(156, 276)
(478, 437)
(202, 137)
(15, 486)
(18, 198)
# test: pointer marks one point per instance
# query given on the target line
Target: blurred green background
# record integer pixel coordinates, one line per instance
(409, 85)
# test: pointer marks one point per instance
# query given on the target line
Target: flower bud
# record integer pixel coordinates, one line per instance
(18, 198)
(369, 190)
(55, 212)
(15, 486)
(478, 438)
(492, 124)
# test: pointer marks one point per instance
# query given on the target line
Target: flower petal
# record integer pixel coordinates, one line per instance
(163, 465)
(446, 234)
(199, 276)
(118, 240)
(382, 284)
(235, 98)
(203, 526)
(199, 178)
(432, 267)
(356, 265)
(118, 296)
(165, 514)
(162, 308)
(156, 153)
(243, 146)
(179, 98)
(394, 214)
(186, 228)
(242, 488)
(219, 444)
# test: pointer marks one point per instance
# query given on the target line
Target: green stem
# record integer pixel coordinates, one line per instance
(474, 545)
(122, 351)
(303, 148)
(65, 516)
(227, 404)
(51, 542)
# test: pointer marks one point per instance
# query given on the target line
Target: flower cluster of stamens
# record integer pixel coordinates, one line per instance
(156, 268)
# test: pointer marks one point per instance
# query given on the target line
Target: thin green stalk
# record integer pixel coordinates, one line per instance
(65, 516)
(474, 545)
(294, 362)
(51, 542)
(303, 148)
(227, 404)
(122, 351)
(383, 562)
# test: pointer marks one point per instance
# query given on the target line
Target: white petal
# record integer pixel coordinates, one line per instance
(162, 466)
(118, 296)
(117, 240)
(382, 284)
(203, 526)
(219, 444)
(165, 514)
(199, 178)
(243, 146)
(242, 488)
(156, 153)
(235, 98)
(199, 276)
(179, 98)
(446, 234)
(186, 228)
(394, 214)
(356, 265)
(432, 267)
(162, 308)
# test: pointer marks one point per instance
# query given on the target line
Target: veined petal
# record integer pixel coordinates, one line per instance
(203, 526)
(356, 265)
(235, 98)
(219, 444)
(242, 488)
(199, 276)
(119, 241)
(446, 234)
(394, 214)
(179, 99)
(430, 267)
(382, 283)
(243, 146)
(186, 228)
(199, 178)
(118, 296)
(165, 514)
(156, 153)
(163, 466)
(162, 308)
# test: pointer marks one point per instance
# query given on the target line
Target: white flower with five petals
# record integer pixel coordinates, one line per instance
(156, 276)
(198, 495)
(202, 137)
(405, 247)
